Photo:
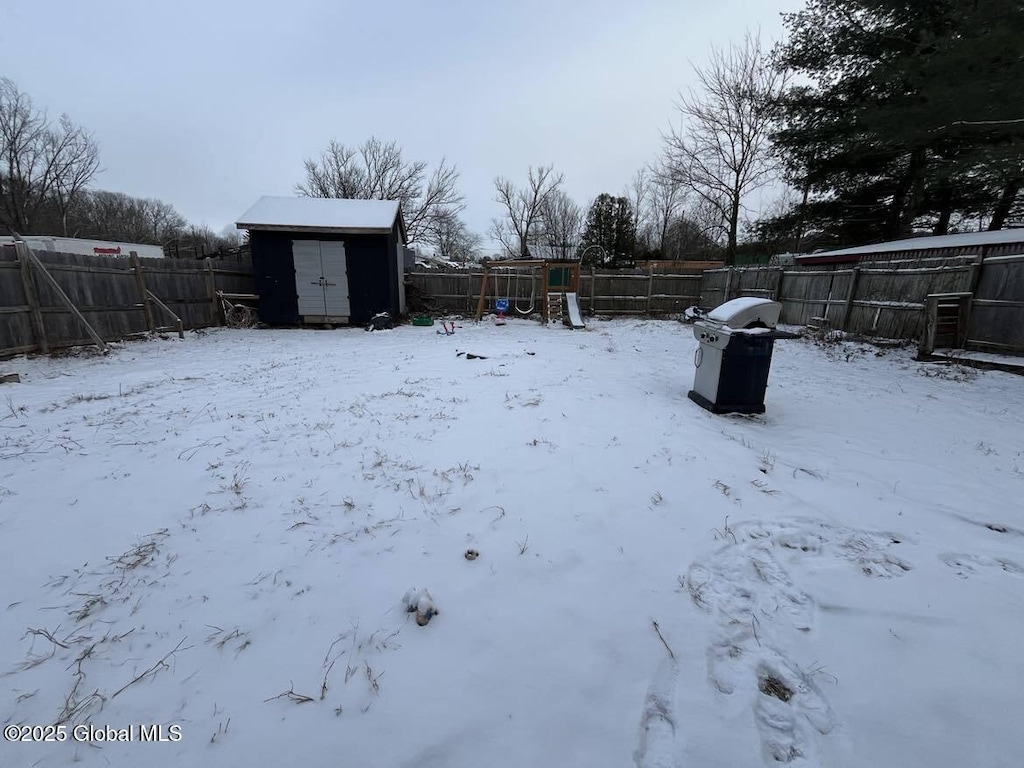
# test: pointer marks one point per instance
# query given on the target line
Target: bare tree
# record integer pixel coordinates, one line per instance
(721, 149)
(197, 241)
(162, 220)
(77, 161)
(667, 200)
(638, 192)
(695, 232)
(664, 201)
(452, 240)
(524, 209)
(376, 170)
(201, 238)
(39, 161)
(562, 222)
(117, 216)
(229, 236)
(22, 138)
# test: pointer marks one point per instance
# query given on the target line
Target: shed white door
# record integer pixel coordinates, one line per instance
(321, 279)
(335, 271)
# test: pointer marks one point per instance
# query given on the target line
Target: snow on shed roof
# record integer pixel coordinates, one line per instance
(321, 214)
(967, 239)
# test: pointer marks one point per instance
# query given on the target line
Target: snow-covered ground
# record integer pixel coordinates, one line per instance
(218, 534)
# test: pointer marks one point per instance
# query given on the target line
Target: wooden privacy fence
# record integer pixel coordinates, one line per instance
(963, 301)
(44, 300)
(600, 292)
(995, 313)
(886, 301)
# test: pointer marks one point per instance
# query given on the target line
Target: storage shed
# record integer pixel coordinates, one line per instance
(326, 261)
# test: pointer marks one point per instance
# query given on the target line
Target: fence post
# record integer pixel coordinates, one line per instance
(544, 277)
(650, 287)
(593, 284)
(140, 284)
(211, 285)
(28, 283)
(979, 266)
(927, 343)
(482, 301)
(963, 317)
(854, 277)
(728, 284)
(778, 283)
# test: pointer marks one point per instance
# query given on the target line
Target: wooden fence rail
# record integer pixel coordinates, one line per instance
(110, 296)
(887, 299)
(119, 297)
(869, 300)
(599, 292)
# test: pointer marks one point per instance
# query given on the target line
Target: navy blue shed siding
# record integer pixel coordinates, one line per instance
(372, 274)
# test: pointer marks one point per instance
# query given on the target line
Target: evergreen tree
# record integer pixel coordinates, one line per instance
(611, 225)
(913, 115)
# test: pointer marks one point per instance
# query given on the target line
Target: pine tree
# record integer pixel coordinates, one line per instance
(610, 225)
(913, 116)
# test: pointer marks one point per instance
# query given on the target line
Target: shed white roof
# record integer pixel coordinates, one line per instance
(967, 239)
(321, 214)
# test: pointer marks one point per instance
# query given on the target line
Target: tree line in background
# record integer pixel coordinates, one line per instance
(46, 167)
(872, 120)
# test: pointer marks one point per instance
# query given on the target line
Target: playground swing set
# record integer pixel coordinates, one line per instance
(510, 298)
(558, 281)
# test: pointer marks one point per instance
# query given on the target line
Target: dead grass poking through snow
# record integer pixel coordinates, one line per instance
(219, 638)
(726, 533)
(948, 372)
(291, 695)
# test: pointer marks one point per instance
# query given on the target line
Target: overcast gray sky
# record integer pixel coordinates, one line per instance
(209, 105)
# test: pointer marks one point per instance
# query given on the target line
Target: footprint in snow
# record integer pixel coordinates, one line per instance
(790, 712)
(965, 565)
(747, 589)
(747, 583)
(657, 745)
(870, 552)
